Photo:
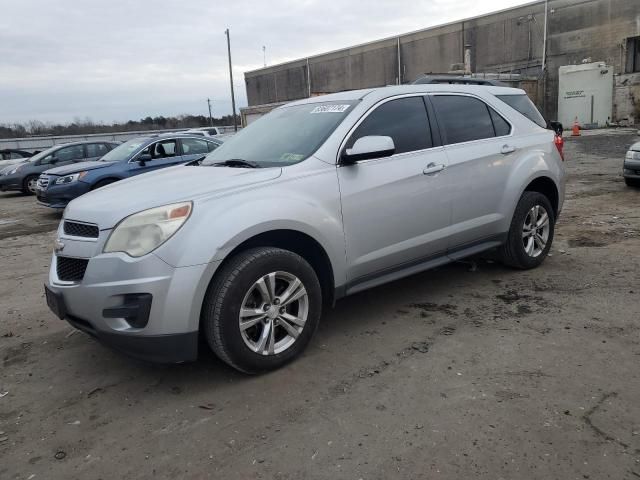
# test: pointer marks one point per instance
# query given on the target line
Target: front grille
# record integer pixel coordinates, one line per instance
(43, 182)
(81, 229)
(71, 269)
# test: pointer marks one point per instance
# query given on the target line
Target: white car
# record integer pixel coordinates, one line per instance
(206, 131)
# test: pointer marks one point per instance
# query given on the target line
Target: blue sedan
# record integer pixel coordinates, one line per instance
(58, 186)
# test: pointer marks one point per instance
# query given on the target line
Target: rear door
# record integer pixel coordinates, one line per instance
(194, 148)
(481, 152)
(396, 209)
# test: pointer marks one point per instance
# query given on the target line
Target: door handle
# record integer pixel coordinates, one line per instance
(433, 168)
(507, 149)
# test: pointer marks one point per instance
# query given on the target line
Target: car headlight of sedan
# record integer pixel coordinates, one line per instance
(70, 178)
(633, 155)
(143, 232)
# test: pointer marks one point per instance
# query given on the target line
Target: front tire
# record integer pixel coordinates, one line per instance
(632, 182)
(29, 185)
(531, 232)
(261, 309)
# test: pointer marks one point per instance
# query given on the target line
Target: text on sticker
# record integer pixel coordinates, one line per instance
(330, 109)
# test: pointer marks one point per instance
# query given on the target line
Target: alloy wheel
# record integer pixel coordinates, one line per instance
(273, 313)
(535, 231)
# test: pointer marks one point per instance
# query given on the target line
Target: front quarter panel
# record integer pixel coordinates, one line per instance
(305, 198)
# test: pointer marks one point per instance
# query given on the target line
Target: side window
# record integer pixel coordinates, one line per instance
(500, 125)
(462, 119)
(404, 120)
(193, 146)
(15, 155)
(166, 148)
(67, 154)
(96, 150)
(212, 146)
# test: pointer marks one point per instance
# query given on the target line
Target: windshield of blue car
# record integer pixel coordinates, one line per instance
(123, 152)
(285, 136)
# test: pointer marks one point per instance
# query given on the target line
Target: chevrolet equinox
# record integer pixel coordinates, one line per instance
(319, 199)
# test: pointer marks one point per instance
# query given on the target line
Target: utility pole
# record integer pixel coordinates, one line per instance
(210, 117)
(264, 55)
(233, 97)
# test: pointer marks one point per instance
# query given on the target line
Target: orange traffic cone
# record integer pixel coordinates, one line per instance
(575, 131)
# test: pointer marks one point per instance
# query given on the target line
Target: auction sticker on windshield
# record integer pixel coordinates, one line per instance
(330, 109)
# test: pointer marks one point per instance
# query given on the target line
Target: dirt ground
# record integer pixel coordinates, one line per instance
(468, 371)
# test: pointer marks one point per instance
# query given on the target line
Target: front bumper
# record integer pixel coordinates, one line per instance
(169, 331)
(631, 169)
(10, 182)
(58, 196)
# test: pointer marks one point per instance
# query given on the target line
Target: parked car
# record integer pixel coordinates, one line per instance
(11, 156)
(319, 199)
(206, 131)
(631, 167)
(24, 176)
(58, 186)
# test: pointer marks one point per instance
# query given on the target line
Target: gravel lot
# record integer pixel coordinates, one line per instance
(468, 371)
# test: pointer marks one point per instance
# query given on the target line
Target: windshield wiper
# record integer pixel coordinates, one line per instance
(237, 162)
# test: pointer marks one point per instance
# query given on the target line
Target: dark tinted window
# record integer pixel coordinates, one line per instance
(212, 146)
(192, 146)
(499, 124)
(463, 119)
(404, 120)
(525, 106)
(96, 150)
(66, 154)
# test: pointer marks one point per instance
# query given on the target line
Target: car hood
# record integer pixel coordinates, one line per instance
(635, 147)
(77, 167)
(110, 204)
(12, 161)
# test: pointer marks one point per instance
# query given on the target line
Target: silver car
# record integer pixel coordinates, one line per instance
(631, 166)
(319, 199)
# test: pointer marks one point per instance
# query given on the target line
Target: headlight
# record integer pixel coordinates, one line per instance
(633, 155)
(145, 231)
(70, 178)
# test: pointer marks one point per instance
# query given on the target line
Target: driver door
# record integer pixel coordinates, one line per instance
(396, 209)
(163, 153)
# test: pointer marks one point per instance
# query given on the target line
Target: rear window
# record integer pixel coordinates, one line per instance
(525, 106)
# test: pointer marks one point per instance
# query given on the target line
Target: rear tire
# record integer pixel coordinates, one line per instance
(261, 309)
(29, 185)
(632, 182)
(531, 232)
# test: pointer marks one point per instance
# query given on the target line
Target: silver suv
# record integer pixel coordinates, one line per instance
(319, 199)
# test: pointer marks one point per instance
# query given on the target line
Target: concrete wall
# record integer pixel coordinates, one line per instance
(509, 41)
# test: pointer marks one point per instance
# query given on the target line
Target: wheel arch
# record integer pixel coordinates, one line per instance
(104, 179)
(547, 187)
(300, 243)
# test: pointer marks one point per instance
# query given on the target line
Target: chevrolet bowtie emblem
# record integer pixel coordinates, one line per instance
(58, 245)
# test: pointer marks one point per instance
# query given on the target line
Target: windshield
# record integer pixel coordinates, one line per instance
(123, 152)
(285, 136)
(525, 106)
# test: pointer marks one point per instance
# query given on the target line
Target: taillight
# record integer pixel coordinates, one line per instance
(558, 141)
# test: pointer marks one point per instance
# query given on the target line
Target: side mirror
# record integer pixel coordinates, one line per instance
(366, 148)
(143, 158)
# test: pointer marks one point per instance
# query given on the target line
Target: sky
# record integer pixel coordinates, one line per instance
(116, 60)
